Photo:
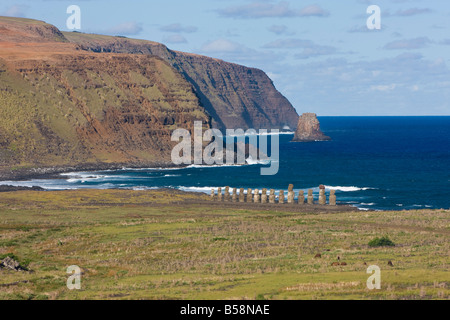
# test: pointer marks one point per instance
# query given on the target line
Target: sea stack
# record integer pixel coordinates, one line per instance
(308, 129)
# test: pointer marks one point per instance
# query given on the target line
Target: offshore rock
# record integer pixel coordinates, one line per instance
(308, 129)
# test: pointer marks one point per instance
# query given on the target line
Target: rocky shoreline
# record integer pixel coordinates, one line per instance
(54, 172)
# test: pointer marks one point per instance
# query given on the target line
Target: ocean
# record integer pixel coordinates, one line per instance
(374, 163)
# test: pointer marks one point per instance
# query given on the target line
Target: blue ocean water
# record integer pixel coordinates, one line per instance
(381, 163)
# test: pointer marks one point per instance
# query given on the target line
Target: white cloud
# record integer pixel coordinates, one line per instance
(125, 29)
(237, 53)
(221, 46)
(309, 49)
(408, 44)
(412, 12)
(278, 29)
(288, 44)
(313, 11)
(383, 88)
(175, 38)
(407, 84)
(16, 11)
(178, 28)
(264, 9)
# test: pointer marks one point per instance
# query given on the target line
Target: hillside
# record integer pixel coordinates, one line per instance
(77, 99)
(64, 106)
(235, 96)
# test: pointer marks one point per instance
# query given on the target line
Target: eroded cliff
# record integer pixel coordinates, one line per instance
(63, 106)
(235, 96)
(71, 98)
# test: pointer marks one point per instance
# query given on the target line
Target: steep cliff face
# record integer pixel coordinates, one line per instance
(63, 106)
(71, 98)
(20, 30)
(308, 129)
(235, 96)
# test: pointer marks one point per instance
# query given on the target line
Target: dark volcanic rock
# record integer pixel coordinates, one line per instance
(11, 264)
(308, 129)
(5, 188)
(234, 96)
(70, 99)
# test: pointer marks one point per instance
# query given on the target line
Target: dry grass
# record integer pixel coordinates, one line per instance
(160, 245)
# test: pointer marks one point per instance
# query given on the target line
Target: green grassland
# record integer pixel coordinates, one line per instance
(170, 245)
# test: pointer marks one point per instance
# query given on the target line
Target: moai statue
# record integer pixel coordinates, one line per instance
(291, 194)
(249, 195)
(291, 197)
(281, 197)
(332, 197)
(322, 195)
(213, 194)
(241, 195)
(256, 196)
(234, 196)
(310, 196)
(264, 196)
(219, 194)
(301, 197)
(272, 196)
(227, 194)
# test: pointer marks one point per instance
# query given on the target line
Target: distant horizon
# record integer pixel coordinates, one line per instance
(386, 116)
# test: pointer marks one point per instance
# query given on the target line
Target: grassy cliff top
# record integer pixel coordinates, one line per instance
(21, 21)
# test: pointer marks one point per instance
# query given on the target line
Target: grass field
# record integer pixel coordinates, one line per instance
(170, 245)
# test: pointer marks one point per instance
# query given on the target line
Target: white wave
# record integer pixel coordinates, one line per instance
(367, 204)
(204, 166)
(142, 188)
(262, 134)
(348, 189)
(197, 189)
(147, 169)
(251, 161)
(82, 176)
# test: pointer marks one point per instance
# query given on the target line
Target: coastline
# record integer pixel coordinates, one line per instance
(53, 172)
(9, 177)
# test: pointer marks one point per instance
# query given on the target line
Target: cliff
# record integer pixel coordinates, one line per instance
(308, 129)
(235, 96)
(70, 99)
(60, 105)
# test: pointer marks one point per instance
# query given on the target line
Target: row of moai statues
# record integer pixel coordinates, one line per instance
(254, 196)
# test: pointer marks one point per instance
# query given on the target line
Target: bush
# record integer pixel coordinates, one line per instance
(24, 263)
(381, 242)
(11, 255)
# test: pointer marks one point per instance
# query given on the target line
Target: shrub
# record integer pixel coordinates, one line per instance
(381, 242)
(11, 255)
(24, 263)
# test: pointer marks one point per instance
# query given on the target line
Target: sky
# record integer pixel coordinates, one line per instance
(320, 54)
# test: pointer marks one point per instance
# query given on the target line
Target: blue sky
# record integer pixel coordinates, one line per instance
(319, 53)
